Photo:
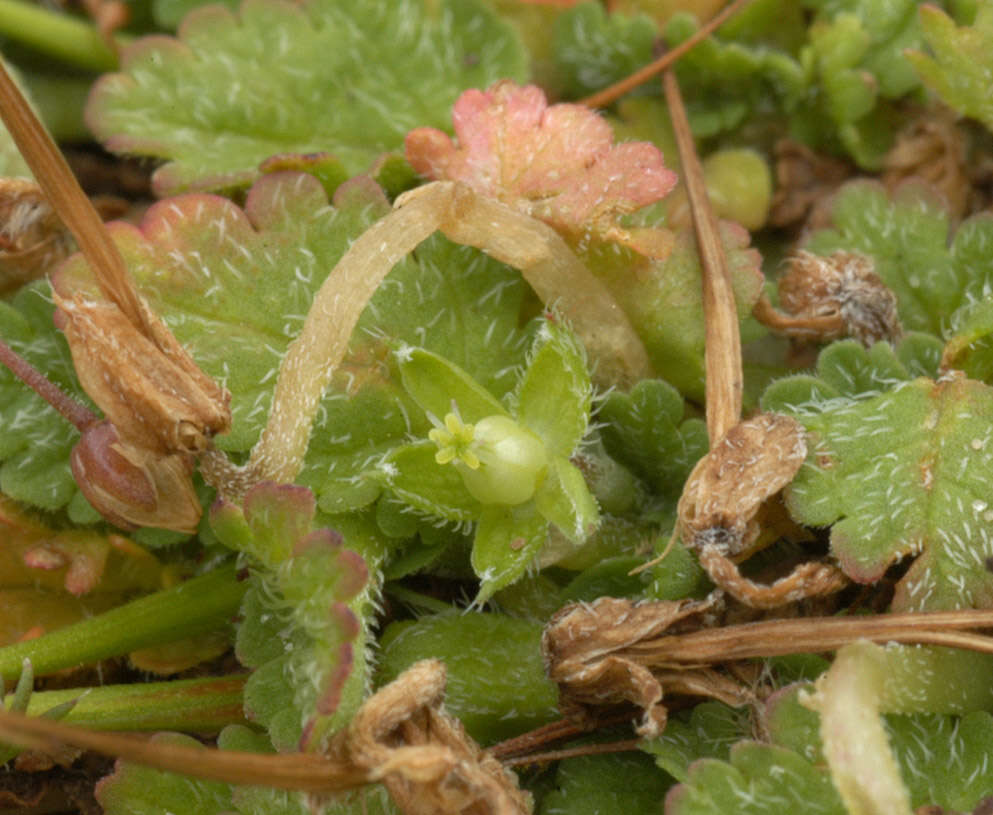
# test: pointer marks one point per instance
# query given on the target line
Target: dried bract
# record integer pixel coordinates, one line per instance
(32, 238)
(826, 298)
(592, 651)
(422, 755)
(804, 183)
(147, 385)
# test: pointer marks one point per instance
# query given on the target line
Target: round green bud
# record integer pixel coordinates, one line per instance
(740, 186)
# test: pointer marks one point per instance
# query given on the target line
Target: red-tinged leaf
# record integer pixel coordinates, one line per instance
(558, 163)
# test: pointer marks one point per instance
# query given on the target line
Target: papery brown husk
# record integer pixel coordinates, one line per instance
(32, 238)
(148, 386)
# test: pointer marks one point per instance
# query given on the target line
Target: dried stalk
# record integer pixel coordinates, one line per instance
(812, 635)
(69, 201)
(724, 377)
(604, 97)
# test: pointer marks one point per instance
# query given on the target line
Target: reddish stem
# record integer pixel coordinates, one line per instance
(79, 415)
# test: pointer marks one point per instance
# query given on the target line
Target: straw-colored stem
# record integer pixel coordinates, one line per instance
(723, 342)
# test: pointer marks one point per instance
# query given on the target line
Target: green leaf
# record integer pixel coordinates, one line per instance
(12, 165)
(346, 76)
(907, 236)
(596, 785)
(35, 444)
(593, 49)
(414, 477)
(496, 677)
(169, 13)
(758, 779)
(708, 731)
(904, 473)
(724, 82)
(646, 431)
(313, 589)
(645, 289)
(507, 541)
(557, 376)
(961, 63)
(136, 790)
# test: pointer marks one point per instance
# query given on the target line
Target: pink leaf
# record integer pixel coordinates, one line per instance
(556, 163)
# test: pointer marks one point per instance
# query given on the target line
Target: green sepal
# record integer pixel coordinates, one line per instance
(564, 499)
(553, 398)
(412, 475)
(440, 387)
(507, 541)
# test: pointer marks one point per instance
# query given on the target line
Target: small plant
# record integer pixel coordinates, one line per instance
(483, 453)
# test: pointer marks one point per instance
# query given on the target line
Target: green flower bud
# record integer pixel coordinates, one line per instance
(500, 462)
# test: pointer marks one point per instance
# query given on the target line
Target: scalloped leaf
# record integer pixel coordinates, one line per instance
(347, 76)
(313, 591)
(907, 235)
(725, 81)
(646, 430)
(961, 63)
(557, 163)
(135, 790)
(593, 49)
(493, 704)
(904, 473)
(758, 779)
(708, 731)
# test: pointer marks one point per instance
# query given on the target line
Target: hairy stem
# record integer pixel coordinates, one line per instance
(72, 411)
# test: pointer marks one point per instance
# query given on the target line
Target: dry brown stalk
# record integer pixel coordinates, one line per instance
(610, 94)
(68, 200)
(400, 737)
(615, 650)
(725, 380)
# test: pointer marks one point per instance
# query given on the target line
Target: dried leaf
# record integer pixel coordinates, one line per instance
(591, 651)
(558, 163)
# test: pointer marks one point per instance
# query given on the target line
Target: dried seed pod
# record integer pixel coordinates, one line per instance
(826, 298)
(147, 385)
(721, 500)
(132, 487)
(753, 461)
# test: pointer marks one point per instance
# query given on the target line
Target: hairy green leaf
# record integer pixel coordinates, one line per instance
(350, 77)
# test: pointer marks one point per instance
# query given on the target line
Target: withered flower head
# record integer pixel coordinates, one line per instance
(32, 238)
(838, 296)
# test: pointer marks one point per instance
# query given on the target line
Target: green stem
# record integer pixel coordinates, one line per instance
(203, 705)
(57, 35)
(194, 607)
(416, 599)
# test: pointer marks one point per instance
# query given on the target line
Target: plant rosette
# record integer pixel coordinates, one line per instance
(505, 469)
